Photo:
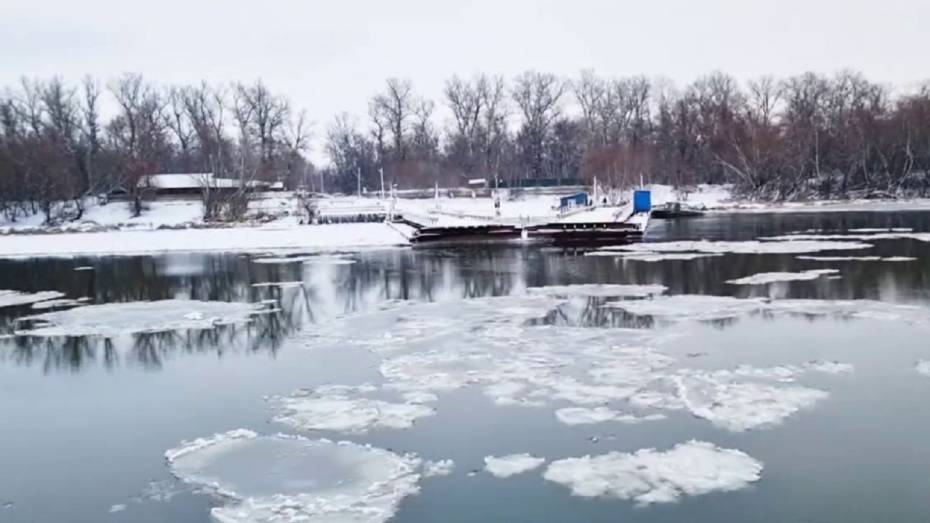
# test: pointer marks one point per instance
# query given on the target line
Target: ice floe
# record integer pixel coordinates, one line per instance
(585, 416)
(650, 476)
(344, 409)
(15, 298)
(313, 259)
(765, 278)
(506, 466)
(442, 467)
(796, 246)
(742, 405)
(281, 284)
(654, 257)
(56, 304)
(691, 307)
(599, 290)
(923, 367)
(114, 319)
(314, 481)
(856, 258)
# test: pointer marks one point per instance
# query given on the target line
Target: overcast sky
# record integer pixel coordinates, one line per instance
(331, 56)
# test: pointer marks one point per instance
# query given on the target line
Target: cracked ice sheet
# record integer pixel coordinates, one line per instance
(15, 298)
(765, 278)
(344, 409)
(114, 319)
(513, 464)
(311, 481)
(650, 476)
(740, 247)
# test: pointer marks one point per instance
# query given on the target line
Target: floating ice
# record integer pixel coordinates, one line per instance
(743, 247)
(442, 467)
(830, 367)
(282, 284)
(765, 278)
(654, 257)
(117, 508)
(599, 290)
(650, 476)
(923, 367)
(585, 416)
(855, 258)
(506, 466)
(313, 481)
(114, 319)
(315, 259)
(691, 307)
(740, 406)
(15, 298)
(55, 304)
(343, 409)
(84, 268)
(885, 235)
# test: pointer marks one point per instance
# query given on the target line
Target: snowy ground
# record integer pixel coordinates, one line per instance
(275, 222)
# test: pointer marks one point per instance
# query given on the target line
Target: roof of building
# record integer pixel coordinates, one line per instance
(192, 181)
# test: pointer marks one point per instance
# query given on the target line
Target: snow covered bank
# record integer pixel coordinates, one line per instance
(244, 239)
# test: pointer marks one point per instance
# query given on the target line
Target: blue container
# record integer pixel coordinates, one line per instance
(642, 201)
(575, 200)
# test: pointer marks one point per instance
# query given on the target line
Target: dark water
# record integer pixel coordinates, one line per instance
(84, 424)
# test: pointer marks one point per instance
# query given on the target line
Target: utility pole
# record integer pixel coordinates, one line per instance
(358, 178)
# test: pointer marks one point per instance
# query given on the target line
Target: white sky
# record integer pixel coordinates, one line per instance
(331, 56)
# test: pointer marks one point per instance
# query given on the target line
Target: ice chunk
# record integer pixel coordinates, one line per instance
(765, 278)
(344, 410)
(694, 307)
(312, 481)
(744, 247)
(506, 466)
(654, 257)
(117, 508)
(599, 290)
(584, 416)
(84, 268)
(830, 367)
(651, 476)
(16, 298)
(839, 258)
(315, 259)
(282, 284)
(114, 319)
(442, 467)
(923, 367)
(740, 406)
(56, 304)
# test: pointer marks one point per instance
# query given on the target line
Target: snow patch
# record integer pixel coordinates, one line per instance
(649, 476)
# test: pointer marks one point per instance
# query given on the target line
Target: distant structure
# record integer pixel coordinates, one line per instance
(192, 184)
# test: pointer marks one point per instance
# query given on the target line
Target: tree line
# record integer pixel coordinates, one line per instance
(810, 135)
(807, 136)
(57, 151)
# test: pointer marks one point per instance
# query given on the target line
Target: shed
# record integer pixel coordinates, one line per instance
(575, 200)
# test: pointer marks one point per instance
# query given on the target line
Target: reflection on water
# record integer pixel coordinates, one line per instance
(79, 407)
(329, 290)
